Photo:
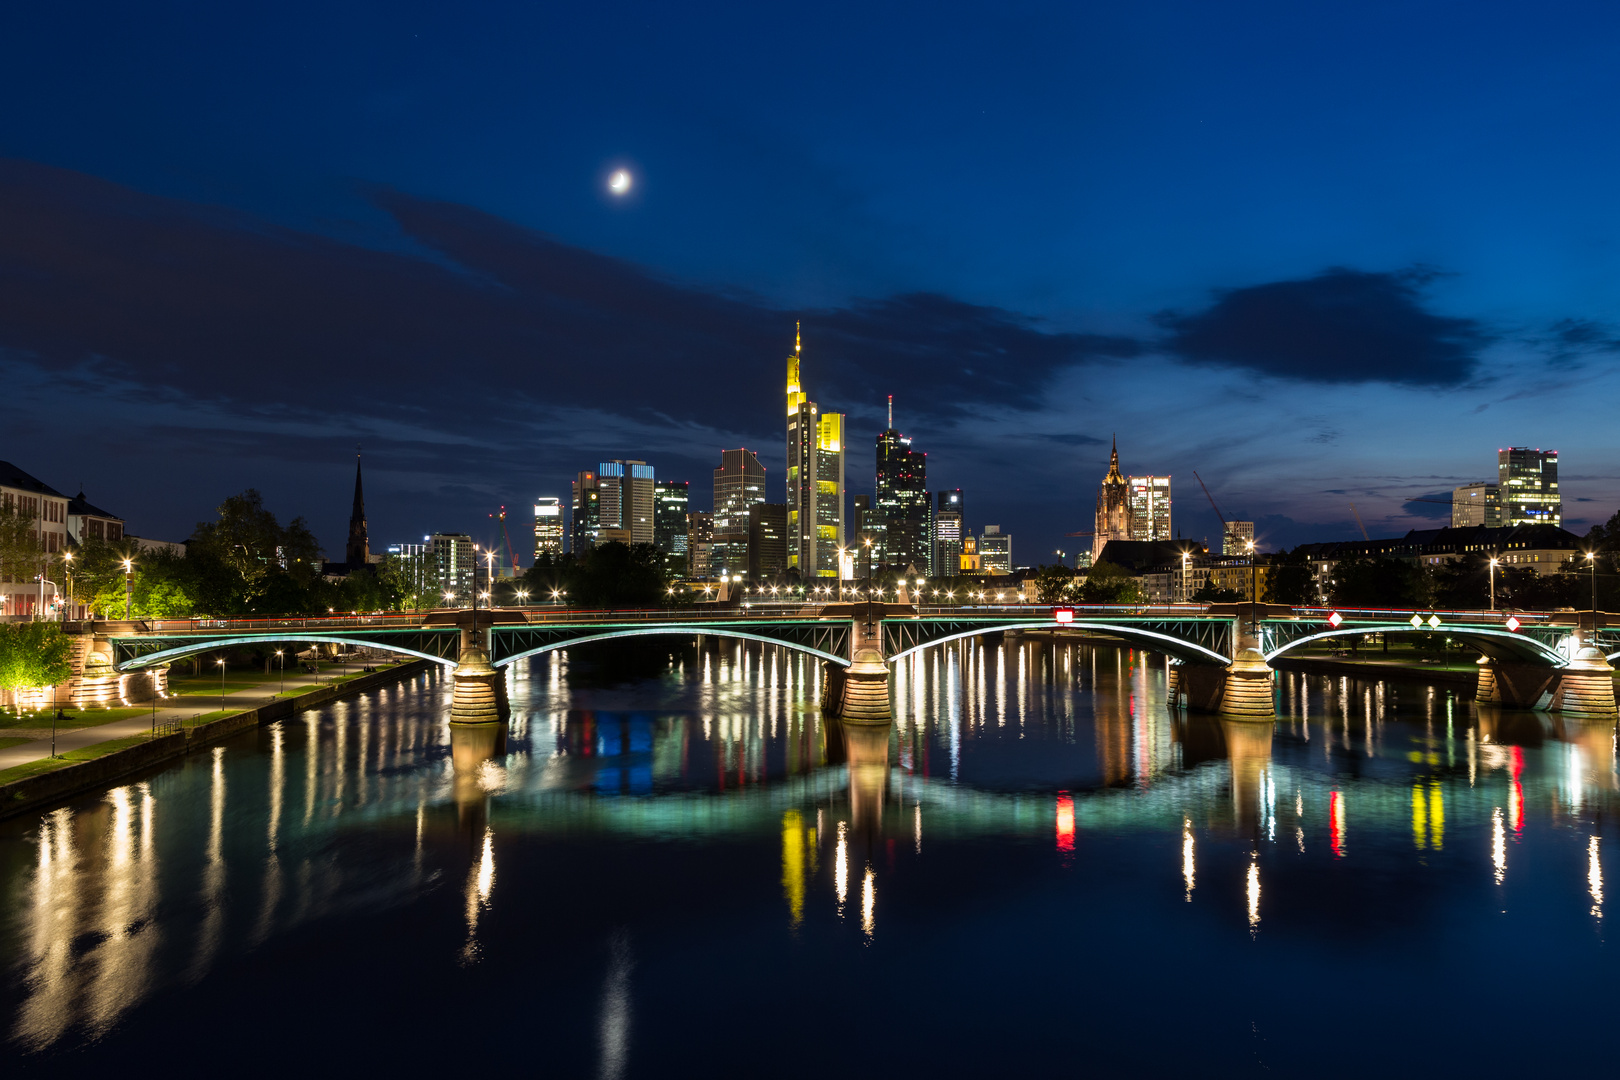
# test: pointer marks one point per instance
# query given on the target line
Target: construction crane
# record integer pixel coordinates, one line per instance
(1359, 525)
(507, 537)
(1211, 499)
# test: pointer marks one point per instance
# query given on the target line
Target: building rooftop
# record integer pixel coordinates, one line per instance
(79, 506)
(13, 477)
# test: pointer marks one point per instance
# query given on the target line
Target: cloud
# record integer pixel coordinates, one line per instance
(1341, 326)
(1435, 504)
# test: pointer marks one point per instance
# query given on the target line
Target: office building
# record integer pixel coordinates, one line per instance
(453, 564)
(815, 479)
(1113, 507)
(995, 550)
(948, 510)
(548, 528)
(587, 507)
(1150, 507)
(1479, 503)
(870, 548)
(671, 504)
(1236, 538)
(627, 500)
(767, 540)
(1529, 487)
(739, 483)
(902, 500)
(699, 545)
(22, 590)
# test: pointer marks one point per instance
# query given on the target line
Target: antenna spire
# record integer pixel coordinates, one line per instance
(797, 343)
(891, 412)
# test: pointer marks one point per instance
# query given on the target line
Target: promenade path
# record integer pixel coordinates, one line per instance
(181, 708)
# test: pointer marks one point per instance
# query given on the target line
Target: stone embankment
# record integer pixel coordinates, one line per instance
(33, 792)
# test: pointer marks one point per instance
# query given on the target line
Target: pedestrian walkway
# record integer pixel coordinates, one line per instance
(179, 709)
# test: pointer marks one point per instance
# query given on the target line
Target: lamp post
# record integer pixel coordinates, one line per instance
(67, 570)
(1494, 561)
(1591, 560)
(221, 663)
(129, 586)
(1254, 591)
(281, 664)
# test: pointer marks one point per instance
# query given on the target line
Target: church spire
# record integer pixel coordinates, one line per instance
(1114, 475)
(358, 551)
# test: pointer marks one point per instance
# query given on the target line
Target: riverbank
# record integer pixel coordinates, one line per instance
(97, 763)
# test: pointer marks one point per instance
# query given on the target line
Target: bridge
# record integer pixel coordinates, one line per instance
(1221, 653)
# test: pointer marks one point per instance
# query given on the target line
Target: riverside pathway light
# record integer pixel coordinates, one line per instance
(67, 562)
(1254, 591)
(1494, 561)
(281, 663)
(221, 663)
(129, 586)
(1591, 561)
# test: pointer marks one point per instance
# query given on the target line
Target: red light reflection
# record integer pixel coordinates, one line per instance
(1065, 822)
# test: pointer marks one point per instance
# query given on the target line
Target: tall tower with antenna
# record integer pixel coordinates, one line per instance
(815, 477)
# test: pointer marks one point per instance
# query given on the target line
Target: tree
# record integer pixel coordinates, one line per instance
(1378, 582)
(1461, 583)
(1209, 593)
(1052, 582)
(1110, 584)
(248, 562)
(616, 575)
(1289, 580)
(33, 654)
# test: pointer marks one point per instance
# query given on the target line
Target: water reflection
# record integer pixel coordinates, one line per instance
(1025, 758)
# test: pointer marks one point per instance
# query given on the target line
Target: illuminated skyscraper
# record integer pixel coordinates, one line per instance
(627, 498)
(902, 499)
(1476, 504)
(548, 527)
(587, 513)
(815, 479)
(1150, 507)
(1238, 537)
(699, 545)
(670, 505)
(1528, 480)
(739, 483)
(995, 550)
(948, 532)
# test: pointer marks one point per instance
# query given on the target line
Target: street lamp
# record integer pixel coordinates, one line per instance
(1494, 561)
(67, 560)
(1254, 591)
(1591, 560)
(221, 663)
(129, 586)
(281, 665)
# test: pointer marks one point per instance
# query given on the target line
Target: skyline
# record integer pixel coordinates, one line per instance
(401, 236)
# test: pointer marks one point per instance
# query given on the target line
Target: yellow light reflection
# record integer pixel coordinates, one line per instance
(1594, 876)
(1187, 856)
(1437, 816)
(1420, 815)
(841, 866)
(1254, 893)
(1498, 844)
(480, 882)
(869, 899)
(798, 861)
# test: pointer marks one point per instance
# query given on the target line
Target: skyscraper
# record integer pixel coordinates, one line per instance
(815, 479)
(670, 506)
(587, 512)
(1150, 507)
(699, 545)
(902, 499)
(1529, 483)
(767, 539)
(1113, 507)
(739, 483)
(627, 498)
(548, 527)
(454, 566)
(948, 509)
(1237, 538)
(995, 550)
(1476, 504)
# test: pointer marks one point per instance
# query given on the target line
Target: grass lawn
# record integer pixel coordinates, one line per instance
(88, 753)
(203, 687)
(13, 742)
(71, 718)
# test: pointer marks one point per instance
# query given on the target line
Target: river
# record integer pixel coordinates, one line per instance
(676, 866)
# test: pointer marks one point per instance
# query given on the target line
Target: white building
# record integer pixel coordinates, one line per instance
(1150, 507)
(29, 588)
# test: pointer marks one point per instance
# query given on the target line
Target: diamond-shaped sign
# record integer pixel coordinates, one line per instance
(1417, 621)
(1335, 619)
(1513, 623)
(1434, 621)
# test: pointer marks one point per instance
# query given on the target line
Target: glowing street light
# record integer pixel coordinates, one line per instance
(129, 586)
(1494, 562)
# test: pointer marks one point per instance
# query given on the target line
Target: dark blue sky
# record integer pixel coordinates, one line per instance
(1321, 253)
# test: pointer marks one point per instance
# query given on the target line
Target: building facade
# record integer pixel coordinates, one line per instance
(671, 504)
(699, 546)
(739, 484)
(1236, 538)
(1476, 504)
(1529, 486)
(948, 510)
(995, 551)
(548, 528)
(28, 584)
(587, 513)
(454, 566)
(1113, 507)
(626, 499)
(815, 479)
(767, 540)
(902, 502)
(1149, 507)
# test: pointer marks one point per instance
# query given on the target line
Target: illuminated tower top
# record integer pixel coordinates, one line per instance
(795, 390)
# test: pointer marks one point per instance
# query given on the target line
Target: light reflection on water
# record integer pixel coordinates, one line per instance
(1021, 760)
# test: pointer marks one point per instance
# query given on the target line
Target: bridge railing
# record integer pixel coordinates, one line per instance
(1445, 615)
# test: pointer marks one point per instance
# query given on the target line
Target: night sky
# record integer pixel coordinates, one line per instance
(1321, 253)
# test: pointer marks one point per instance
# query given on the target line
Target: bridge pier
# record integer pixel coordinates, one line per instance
(1586, 686)
(1515, 686)
(479, 689)
(866, 690)
(1248, 692)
